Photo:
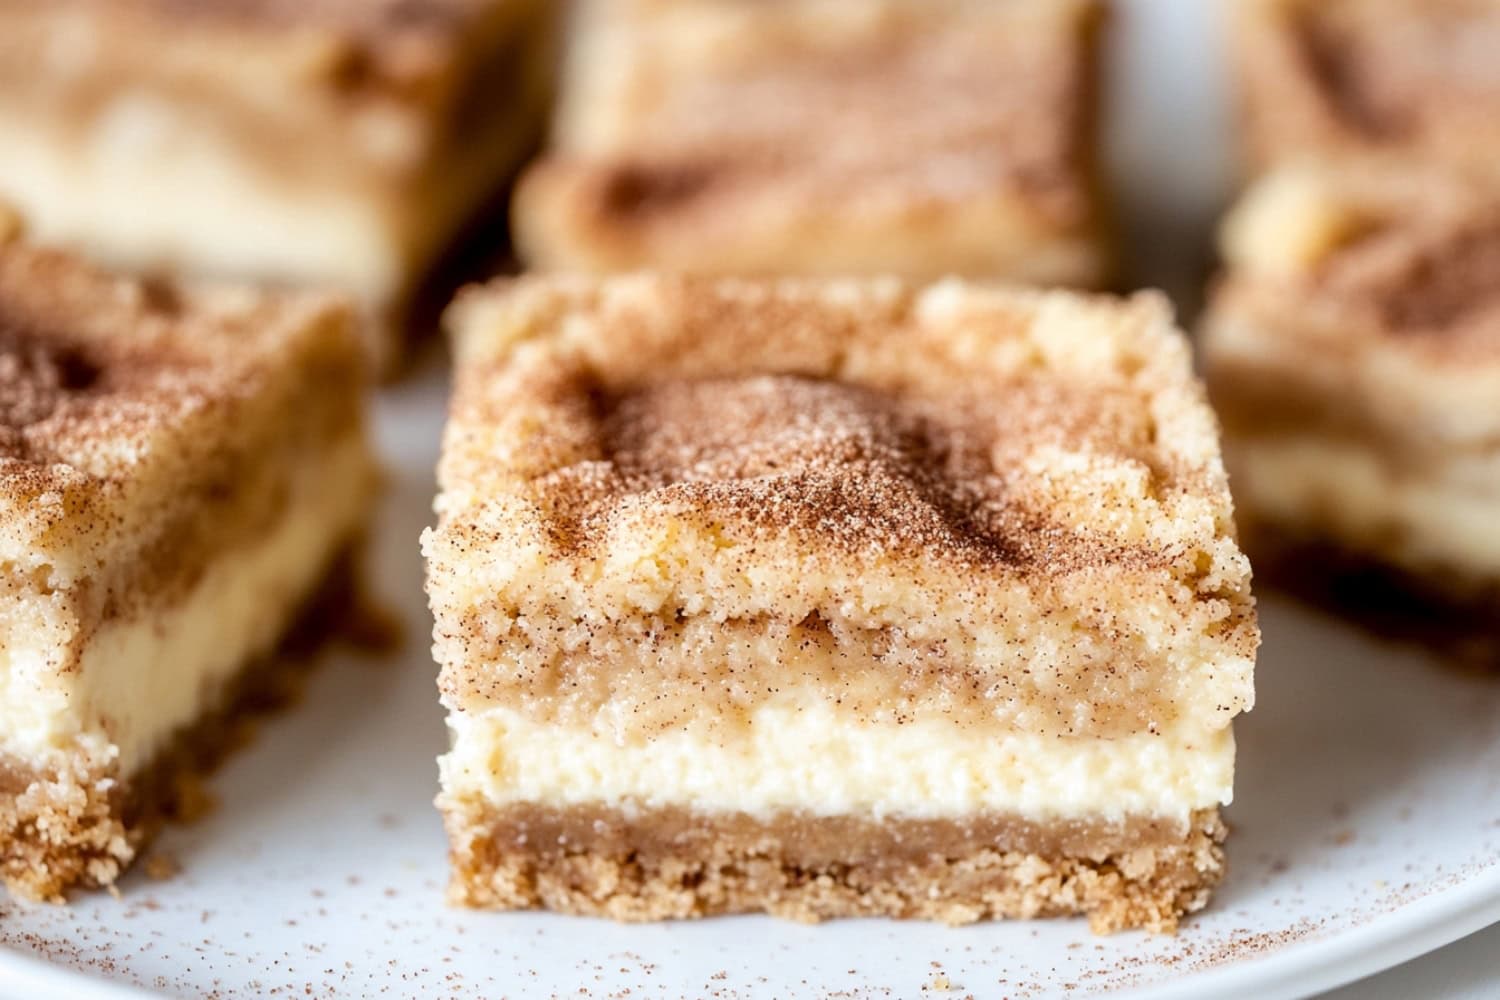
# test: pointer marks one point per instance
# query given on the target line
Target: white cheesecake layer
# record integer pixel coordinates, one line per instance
(148, 676)
(147, 187)
(807, 759)
(1415, 521)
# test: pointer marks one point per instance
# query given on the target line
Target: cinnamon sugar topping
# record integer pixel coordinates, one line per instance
(705, 136)
(840, 465)
(1424, 276)
(1412, 78)
(1390, 68)
(36, 377)
(89, 362)
(144, 421)
(389, 21)
(1409, 255)
(676, 497)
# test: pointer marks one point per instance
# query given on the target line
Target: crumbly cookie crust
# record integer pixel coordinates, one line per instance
(661, 864)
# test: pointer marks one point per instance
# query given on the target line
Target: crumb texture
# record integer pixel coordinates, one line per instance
(75, 391)
(625, 872)
(143, 425)
(714, 489)
(839, 465)
(61, 831)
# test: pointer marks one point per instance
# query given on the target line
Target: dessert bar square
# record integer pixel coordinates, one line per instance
(831, 598)
(1353, 352)
(340, 143)
(1405, 78)
(920, 137)
(181, 473)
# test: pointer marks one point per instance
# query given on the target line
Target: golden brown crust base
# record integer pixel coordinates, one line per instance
(669, 864)
(82, 827)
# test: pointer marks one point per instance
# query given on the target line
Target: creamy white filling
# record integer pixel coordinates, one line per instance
(145, 187)
(147, 676)
(807, 759)
(1416, 522)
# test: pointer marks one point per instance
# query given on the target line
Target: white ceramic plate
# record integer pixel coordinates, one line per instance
(1367, 822)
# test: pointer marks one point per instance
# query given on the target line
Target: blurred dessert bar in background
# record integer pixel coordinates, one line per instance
(339, 143)
(921, 137)
(834, 598)
(183, 475)
(1338, 77)
(1353, 352)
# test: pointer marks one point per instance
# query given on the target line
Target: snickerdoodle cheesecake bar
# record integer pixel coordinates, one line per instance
(921, 137)
(1353, 353)
(831, 598)
(332, 142)
(181, 474)
(1410, 78)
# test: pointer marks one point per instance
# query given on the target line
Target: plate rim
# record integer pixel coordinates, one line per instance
(1300, 969)
(1348, 954)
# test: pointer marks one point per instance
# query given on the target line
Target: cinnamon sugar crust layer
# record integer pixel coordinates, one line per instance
(669, 863)
(815, 136)
(903, 494)
(140, 423)
(1447, 614)
(1414, 78)
(1343, 269)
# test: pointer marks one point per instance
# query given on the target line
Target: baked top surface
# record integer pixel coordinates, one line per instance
(852, 468)
(368, 20)
(330, 57)
(866, 419)
(1372, 256)
(91, 365)
(116, 393)
(1393, 74)
(994, 507)
(671, 104)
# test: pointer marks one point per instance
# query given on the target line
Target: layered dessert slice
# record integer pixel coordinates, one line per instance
(339, 143)
(831, 598)
(1353, 352)
(921, 137)
(180, 475)
(1395, 77)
